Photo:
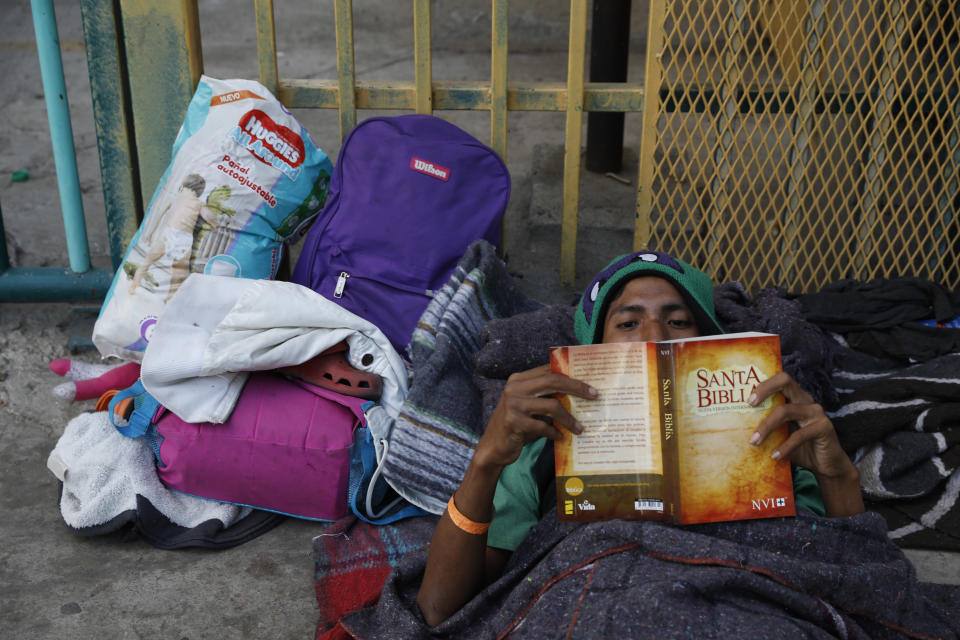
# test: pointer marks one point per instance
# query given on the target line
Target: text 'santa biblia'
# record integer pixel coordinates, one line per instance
(668, 436)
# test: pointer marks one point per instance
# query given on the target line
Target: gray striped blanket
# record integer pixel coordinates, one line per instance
(902, 426)
(432, 440)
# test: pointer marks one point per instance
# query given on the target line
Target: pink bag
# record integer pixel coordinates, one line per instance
(285, 448)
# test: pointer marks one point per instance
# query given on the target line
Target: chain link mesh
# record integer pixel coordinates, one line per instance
(797, 143)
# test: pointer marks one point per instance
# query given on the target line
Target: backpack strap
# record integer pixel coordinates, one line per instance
(133, 410)
(368, 494)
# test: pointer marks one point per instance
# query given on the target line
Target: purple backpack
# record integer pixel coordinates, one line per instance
(408, 195)
(285, 448)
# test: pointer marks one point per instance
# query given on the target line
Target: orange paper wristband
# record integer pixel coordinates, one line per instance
(464, 523)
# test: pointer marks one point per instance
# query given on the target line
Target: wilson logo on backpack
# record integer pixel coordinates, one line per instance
(430, 169)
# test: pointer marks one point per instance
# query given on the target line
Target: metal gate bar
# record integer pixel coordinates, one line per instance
(79, 282)
(498, 96)
(61, 133)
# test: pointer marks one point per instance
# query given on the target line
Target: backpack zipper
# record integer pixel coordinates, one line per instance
(342, 285)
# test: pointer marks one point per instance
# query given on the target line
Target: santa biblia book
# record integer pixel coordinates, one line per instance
(668, 436)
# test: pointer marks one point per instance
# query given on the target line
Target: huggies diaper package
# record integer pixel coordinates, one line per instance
(244, 178)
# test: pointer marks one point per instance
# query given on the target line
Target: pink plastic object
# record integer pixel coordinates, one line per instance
(331, 370)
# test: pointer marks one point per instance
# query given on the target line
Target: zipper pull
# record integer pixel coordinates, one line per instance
(341, 283)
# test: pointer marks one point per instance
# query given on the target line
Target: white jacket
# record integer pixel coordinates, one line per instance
(215, 329)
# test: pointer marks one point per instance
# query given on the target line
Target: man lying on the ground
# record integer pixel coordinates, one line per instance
(645, 296)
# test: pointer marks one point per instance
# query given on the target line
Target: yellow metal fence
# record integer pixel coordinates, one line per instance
(789, 143)
(495, 94)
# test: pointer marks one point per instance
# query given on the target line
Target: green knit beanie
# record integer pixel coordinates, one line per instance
(694, 285)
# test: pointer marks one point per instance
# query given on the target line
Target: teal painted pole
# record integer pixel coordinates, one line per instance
(61, 133)
(52, 284)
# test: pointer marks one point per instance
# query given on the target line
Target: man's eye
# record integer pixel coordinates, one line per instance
(629, 324)
(682, 323)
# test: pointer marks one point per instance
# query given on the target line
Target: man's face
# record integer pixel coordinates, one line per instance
(648, 309)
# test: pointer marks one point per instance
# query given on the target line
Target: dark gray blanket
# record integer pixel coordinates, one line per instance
(801, 577)
(808, 353)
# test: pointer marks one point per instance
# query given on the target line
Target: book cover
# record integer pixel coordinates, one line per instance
(668, 437)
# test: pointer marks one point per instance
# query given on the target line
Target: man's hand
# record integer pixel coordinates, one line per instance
(527, 411)
(812, 443)
(460, 564)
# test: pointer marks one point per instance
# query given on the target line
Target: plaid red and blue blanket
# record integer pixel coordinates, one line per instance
(353, 558)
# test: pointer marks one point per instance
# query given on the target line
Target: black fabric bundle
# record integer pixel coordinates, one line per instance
(851, 305)
(148, 523)
(882, 317)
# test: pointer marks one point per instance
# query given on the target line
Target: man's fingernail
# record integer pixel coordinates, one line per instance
(592, 391)
(577, 427)
(755, 438)
(776, 454)
(752, 399)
